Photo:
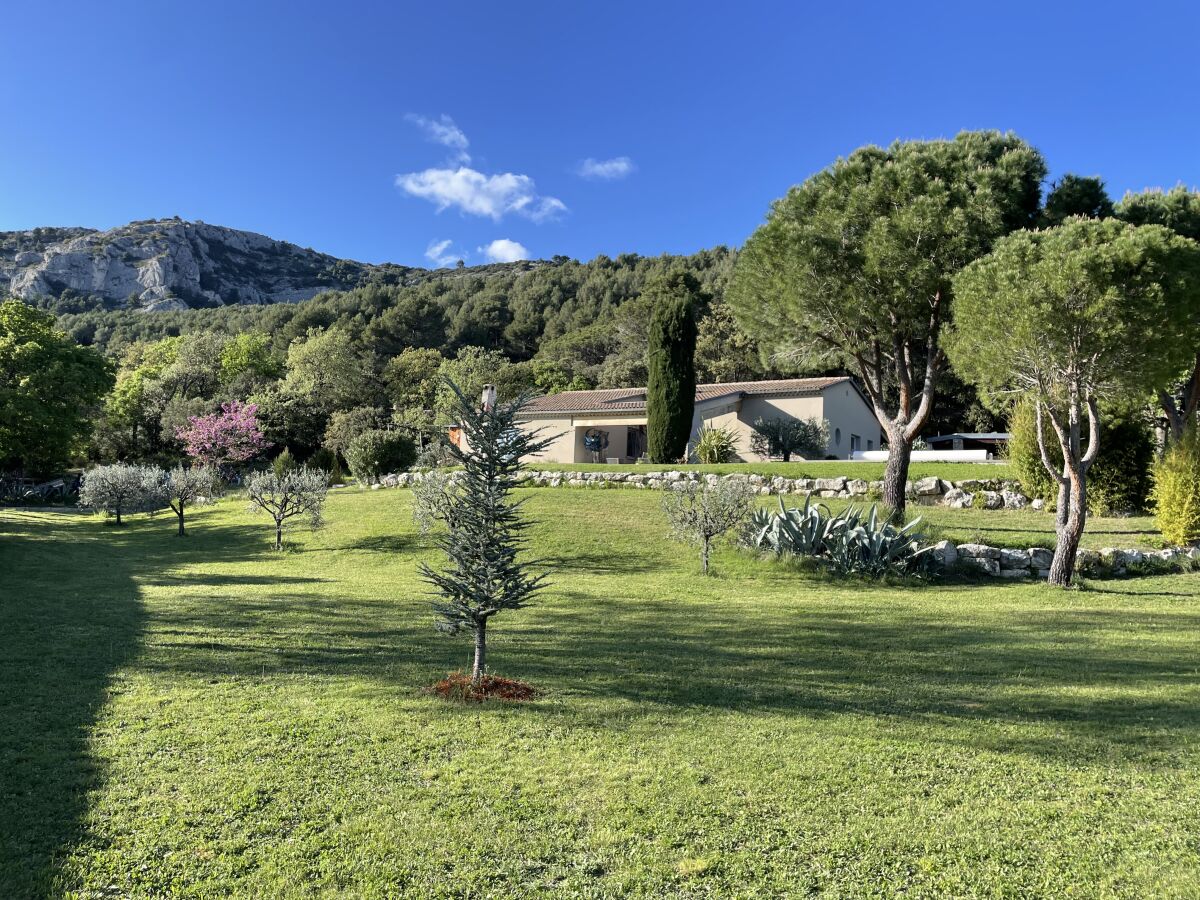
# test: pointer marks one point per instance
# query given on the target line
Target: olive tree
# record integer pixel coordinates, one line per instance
(699, 514)
(783, 436)
(1179, 210)
(122, 488)
(1067, 317)
(852, 269)
(184, 487)
(286, 495)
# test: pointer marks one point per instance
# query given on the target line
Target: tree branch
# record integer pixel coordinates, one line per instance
(1041, 440)
(1093, 412)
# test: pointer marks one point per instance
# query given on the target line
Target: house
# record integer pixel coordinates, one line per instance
(617, 417)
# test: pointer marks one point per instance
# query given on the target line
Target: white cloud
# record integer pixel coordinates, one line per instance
(443, 131)
(481, 195)
(504, 250)
(606, 169)
(441, 253)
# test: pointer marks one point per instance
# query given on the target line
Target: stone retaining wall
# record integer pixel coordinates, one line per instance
(989, 494)
(1001, 562)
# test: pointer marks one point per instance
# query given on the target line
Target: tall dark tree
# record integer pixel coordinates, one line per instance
(1075, 195)
(1179, 210)
(671, 366)
(852, 268)
(484, 525)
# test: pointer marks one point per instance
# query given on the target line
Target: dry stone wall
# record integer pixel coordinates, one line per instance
(998, 562)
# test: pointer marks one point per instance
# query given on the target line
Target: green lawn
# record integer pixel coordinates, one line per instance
(868, 471)
(202, 717)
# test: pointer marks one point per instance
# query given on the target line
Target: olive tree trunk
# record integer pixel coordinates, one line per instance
(279, 534)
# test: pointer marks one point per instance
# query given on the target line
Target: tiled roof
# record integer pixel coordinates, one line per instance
(629, 400)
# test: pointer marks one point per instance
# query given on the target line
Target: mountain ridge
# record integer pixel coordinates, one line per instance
(157, 265)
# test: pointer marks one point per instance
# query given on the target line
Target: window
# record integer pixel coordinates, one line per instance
(837, 436)
(855, 443)
(870, 444)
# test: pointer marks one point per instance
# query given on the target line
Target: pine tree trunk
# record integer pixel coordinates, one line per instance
(480, 663)
(1063, 510)
(895, 475)
(1066, 549)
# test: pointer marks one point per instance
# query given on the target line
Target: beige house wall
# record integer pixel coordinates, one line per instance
(563, 447)
(754, 408)
(841, 404)
(849, 415)
(568, 446)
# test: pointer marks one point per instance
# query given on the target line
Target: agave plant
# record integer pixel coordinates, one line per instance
(851, 541)
(797, 531)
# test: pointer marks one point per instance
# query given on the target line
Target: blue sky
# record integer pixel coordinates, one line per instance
(379, 131)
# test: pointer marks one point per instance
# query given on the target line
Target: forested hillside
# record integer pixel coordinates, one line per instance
(324, 369)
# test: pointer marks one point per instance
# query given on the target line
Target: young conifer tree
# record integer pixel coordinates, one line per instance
(484, 525)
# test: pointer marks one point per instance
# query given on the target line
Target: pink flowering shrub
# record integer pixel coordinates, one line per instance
(230, 436)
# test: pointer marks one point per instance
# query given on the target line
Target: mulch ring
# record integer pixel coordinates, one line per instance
(457, 686)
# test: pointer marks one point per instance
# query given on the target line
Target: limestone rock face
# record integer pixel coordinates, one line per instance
(167, 264)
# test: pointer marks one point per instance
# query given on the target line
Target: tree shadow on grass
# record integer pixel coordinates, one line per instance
(1073, 680)
(598, 562)
(68, 622)
(1089, 676)
(382, 543)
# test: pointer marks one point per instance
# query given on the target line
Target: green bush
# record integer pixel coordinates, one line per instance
(1122, 478)
(1119, 481)
(284, 463)
(1177, 490)
(327, 461)
(375, 453)
(716, 445)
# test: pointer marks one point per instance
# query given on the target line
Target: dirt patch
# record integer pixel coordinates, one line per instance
(457, 686)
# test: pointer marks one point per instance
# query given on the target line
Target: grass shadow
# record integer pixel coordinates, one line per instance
(70, 617)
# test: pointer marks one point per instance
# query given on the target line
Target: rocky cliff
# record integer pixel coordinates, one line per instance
(166, 264)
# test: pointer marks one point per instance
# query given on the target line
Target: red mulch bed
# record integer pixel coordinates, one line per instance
(457, 686)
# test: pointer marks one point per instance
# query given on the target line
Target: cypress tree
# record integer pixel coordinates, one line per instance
(671, 389)
(484, 526)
